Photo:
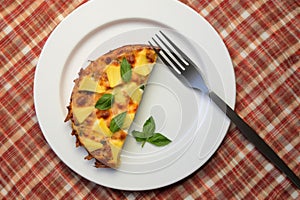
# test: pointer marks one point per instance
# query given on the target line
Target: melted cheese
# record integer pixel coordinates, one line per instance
(136, 96)
(89, 144)
(143, 70)
(128, 120)
(115, 146)
(89, 84)
(119, 96)
(141, 58)
(96, 127)
(130, 88)
(101, 127)
(104, 129)
(113, 75)
(81, 113)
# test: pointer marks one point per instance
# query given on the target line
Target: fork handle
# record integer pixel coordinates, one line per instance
(255, 139)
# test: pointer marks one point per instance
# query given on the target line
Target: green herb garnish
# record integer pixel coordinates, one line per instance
(125, 70)
(158, 140)
(105, 102)
(117, 122)
(149, 135)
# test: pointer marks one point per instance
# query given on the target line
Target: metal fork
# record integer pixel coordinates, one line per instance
(190, 75)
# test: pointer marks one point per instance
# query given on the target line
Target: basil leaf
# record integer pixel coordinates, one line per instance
(158, 140)
(125, 70)
(140, 139)
(117, 122)
(141, 135)
(138, 134)
(144, 142)
(105, 102)
(149, 126)
(148, 135)
(142, 87)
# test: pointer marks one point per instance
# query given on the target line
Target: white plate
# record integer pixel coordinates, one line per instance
(194, 124)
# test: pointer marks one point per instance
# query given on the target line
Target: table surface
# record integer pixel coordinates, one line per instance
(262, 37)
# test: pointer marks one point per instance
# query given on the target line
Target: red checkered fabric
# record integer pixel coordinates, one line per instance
(262, 37)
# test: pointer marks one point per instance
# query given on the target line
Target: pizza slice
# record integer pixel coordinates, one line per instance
(105, 99)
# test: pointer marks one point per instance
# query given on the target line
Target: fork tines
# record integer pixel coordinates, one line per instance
(169, 53)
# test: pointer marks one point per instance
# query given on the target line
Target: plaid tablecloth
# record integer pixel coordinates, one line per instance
(262, 37)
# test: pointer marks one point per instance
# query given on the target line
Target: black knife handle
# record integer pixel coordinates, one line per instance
(255, 139)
